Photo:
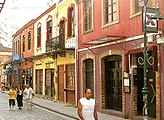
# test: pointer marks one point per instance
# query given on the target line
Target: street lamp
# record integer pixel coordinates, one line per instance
(145, 88)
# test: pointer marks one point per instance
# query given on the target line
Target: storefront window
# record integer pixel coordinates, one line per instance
(70, 76)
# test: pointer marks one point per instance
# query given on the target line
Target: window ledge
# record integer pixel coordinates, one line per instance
(109, 24)
(135, 14)
(89, 31)
(39, 48)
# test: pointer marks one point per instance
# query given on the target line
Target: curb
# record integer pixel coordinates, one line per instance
(57, 111)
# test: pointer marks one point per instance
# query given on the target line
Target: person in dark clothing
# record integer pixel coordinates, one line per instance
(20, 98)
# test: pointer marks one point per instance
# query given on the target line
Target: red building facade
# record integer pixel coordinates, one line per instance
(110, 57)
(24, 48)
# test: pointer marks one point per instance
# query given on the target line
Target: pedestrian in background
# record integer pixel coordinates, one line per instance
(29, 94)
(20, 97)
(87, 107)
(12, 96)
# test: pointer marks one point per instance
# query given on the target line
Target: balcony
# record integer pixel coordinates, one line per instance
(53, 44)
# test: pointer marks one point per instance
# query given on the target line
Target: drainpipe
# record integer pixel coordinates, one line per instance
(76, 53)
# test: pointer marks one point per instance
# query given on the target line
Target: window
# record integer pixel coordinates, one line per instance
(71, 22)
(87, 15)
(110, 11)
(20, 43)
(15, 47)
(39, 37)
(70, 76)
(24, 43)
(138, 4)
(29, 40)
(49, 29)
(19, 46)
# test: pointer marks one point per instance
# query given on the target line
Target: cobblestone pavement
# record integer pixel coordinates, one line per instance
(36, 113)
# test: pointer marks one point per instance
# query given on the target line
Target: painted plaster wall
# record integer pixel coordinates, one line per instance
(42, 20)
(42, 65)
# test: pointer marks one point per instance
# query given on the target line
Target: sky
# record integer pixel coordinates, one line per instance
(17, 13)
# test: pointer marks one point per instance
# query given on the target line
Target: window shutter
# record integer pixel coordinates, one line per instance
(69, 22)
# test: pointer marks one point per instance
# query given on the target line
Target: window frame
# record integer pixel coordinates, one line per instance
(71, 21)
(134, 12)
(104, 9)
(29, 40)
(39, 30)
(23, 43)
(90, 23)
(49, 29)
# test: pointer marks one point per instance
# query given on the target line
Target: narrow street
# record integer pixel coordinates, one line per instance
(36, 113)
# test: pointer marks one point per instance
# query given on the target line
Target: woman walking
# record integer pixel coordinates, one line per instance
(20, 97)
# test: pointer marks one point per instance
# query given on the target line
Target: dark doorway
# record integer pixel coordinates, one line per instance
(151, 83)
(89, 75)
(113, 82)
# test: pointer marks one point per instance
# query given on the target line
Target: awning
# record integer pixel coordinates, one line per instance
(103, 40)
(139, 50)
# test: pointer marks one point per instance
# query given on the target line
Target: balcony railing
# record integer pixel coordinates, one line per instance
(53, 44)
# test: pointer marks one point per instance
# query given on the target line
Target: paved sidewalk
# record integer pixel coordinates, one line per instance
(66, 109)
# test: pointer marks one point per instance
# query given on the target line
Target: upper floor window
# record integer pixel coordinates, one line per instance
(110, 11)
(49, 29)
(137, 5)
(15, 44)
(39, 37)
(24, 43)
(29, 40)
(87, 9)
(14, 49)
(19, 42)
(71, 22)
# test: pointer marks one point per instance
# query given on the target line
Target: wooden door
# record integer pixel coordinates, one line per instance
(48, 82)
(39, 81)
(113, 83)
(61, 83)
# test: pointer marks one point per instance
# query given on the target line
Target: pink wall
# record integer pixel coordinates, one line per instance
(126, 26)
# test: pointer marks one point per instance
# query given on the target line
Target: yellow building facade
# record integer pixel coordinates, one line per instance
(44, 63)
(65, 62)
(54, 53)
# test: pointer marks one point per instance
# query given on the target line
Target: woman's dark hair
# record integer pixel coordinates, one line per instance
(86, 90)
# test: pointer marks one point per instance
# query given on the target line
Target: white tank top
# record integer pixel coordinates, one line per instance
(87, 108)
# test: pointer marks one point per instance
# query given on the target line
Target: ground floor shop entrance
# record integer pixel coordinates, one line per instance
(113, 82)
(151, 84)
(151, 94)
